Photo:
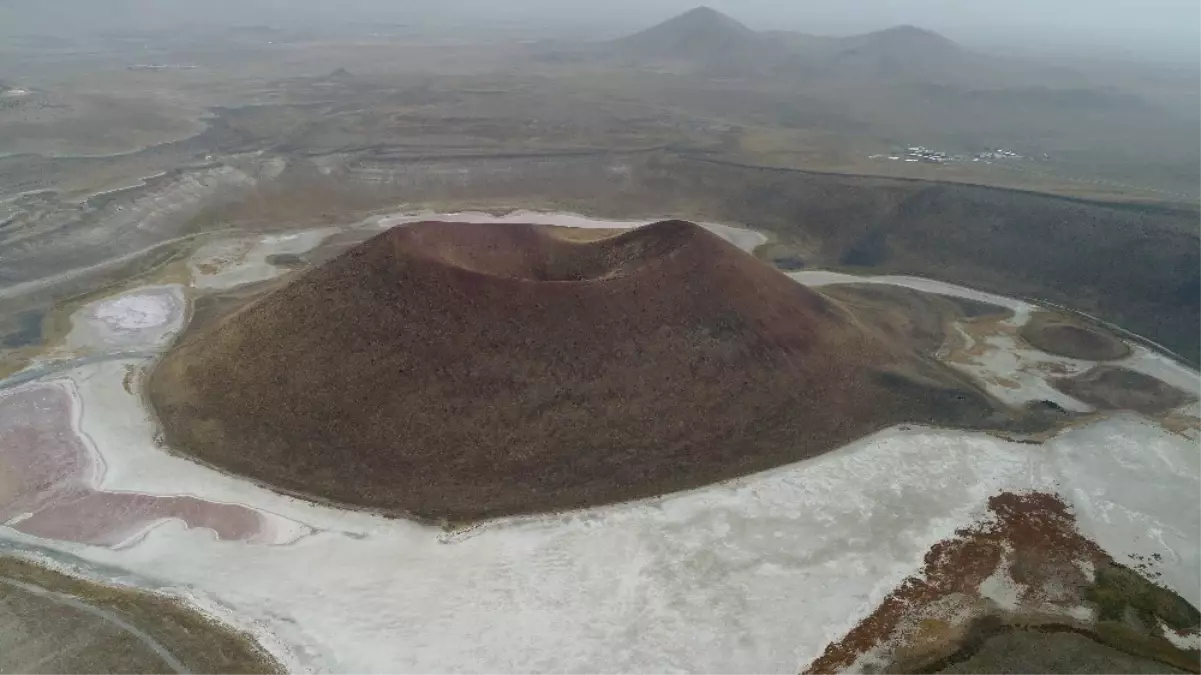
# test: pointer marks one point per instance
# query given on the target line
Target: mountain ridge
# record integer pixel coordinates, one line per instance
(706, 39)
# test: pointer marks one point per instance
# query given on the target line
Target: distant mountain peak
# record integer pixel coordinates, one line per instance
(706, 41)
(706, 13)
(905, 53)
(907, 34)
(702, 34)
(703, 18)
(909, 28)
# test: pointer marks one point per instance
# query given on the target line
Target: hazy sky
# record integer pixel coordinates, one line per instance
(1148, 27)
(1143, 25)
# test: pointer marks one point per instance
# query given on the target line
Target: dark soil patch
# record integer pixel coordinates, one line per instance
(1037, 418)
(1119, 591)
(286, 260)
(870, 251)
(1048, 407)
(1112, 388)
(1055, 334)
(460, 371)
(973, 309)
(26, 330)
(994, 647)
(789, 263)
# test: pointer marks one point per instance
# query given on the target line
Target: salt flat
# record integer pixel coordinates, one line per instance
(145, 318)
(756, 574)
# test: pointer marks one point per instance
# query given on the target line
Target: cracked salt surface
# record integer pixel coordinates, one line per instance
(757, 574)
(1018, 375)
(143, 318)
(753, 575)
(695, 581)
(1135, 490)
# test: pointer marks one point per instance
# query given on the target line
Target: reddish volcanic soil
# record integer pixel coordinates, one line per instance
(463, 371)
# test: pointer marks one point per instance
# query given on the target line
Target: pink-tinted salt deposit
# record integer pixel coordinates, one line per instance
(49, 474)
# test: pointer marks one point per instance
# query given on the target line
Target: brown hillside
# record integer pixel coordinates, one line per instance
(464, 371)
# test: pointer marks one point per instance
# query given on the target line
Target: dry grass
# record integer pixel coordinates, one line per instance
(197, 641)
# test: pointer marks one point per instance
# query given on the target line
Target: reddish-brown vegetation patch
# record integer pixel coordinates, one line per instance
(464, 371)
(1031, 540)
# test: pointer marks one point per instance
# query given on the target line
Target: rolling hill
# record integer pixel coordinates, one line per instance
(706, 42)
(701, 38)
(901, 51)
(711, 42)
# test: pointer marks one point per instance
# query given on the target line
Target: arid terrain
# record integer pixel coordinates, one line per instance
(392, 346)
(58, 623)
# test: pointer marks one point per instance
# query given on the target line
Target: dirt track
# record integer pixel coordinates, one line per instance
(56, 653)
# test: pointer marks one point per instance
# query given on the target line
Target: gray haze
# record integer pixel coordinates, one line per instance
(1153, 29)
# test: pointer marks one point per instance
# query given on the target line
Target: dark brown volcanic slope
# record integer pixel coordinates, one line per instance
(464, 371)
